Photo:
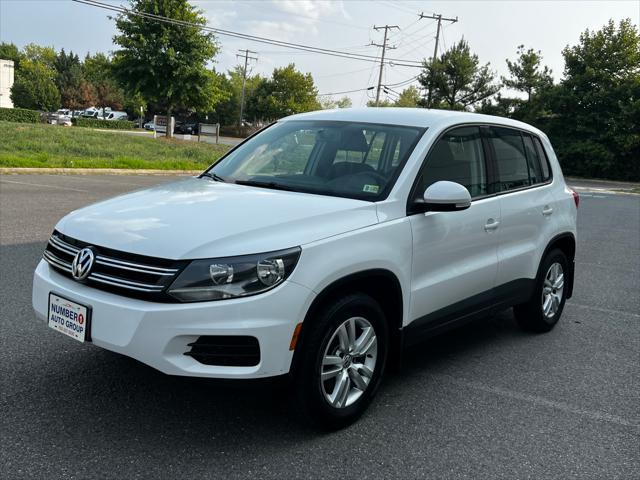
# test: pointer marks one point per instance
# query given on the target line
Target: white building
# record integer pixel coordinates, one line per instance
(6, 82)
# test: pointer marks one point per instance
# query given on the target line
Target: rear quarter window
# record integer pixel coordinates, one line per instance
(544, 160)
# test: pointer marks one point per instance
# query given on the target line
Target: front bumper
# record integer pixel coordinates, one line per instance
(157, 334)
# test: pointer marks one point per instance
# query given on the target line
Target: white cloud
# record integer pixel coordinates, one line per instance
(312, 10)
(280, 30)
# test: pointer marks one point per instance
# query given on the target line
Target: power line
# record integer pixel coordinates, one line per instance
(384, 46)
(296, 46)
(347, 91)
(247, 57)
(404, 82)
(341, 74)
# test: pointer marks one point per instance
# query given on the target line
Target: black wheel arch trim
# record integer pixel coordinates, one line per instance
(554, 243)
(356, 279)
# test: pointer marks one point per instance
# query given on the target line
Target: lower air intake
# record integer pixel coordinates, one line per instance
(226, 350)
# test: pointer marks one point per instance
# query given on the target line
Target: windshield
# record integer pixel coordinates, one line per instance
(355, 160)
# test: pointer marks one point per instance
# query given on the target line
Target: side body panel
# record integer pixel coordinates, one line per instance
(455, 257)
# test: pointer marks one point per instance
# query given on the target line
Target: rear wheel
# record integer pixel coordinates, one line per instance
(342, 361)
(542, 312)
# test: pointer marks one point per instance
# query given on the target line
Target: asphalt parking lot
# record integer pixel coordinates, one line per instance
(484, 401)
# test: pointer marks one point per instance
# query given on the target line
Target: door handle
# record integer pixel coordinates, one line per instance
(491, 225)
(547, 210)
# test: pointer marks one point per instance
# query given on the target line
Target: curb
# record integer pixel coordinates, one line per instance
(95, 171)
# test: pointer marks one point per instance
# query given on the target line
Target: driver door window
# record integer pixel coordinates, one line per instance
(457, 157)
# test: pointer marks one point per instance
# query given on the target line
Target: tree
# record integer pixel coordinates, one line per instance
(164, 62)
(288, 91)
(109, 95)
(97, 68)
(326, 102)
(409, 97)
(596, 121)
(227, 111)
(38, 54)
(457, 79)
(8, 51)
(75, 91)
(527, 73)
(34, 87)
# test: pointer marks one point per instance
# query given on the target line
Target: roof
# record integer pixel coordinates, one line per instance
(419, 117)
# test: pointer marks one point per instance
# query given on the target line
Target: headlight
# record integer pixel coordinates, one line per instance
(231, 277)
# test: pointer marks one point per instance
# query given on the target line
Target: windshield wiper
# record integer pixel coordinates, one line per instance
(213, 176)
(272, 185)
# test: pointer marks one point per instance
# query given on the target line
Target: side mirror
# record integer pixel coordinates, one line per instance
(444, 196)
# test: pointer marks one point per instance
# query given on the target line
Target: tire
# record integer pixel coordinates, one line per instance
(325, 365)
(537, 315)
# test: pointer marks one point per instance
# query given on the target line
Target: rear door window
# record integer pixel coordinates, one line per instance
(513, 169)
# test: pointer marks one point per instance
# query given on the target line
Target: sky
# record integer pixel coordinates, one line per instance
(494, 29)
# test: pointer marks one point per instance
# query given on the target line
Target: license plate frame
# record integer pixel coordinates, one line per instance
(70, 323)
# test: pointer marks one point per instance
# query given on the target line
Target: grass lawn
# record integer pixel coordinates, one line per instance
(40, 145)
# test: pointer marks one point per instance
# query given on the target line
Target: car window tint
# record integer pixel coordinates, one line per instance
(361, 146)
(544, 161)
(289, 156)
(535, 172)
(456, 157)
(513, 171)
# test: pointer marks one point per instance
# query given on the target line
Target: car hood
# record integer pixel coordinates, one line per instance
(200, 218)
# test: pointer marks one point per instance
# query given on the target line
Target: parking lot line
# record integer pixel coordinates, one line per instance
(539, 401)
(46, 186)
(604, 310)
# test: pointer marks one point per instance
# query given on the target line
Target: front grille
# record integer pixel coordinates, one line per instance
(124, 273)
(226, 350)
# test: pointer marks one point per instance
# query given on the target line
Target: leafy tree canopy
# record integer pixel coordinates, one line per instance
(288, 91)
(166, 63)
(409, 97)
(326, 102)
(457, 79)
(527, 73)
(8, 51)
(596, 124)
(34, 87)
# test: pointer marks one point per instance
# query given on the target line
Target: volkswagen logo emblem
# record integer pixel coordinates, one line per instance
(82, 264)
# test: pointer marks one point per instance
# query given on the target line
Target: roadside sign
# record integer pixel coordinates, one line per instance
(209, 130)
(160, 124)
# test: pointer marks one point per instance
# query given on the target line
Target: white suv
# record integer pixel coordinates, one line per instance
(319, 247)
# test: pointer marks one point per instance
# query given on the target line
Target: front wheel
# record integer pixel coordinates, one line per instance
(542, 312)
(342, 361)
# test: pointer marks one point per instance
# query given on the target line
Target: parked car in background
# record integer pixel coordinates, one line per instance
(97, 113)
(115, 115)
(150, 126)
(319, 248)
(186, 128)
(60, 117)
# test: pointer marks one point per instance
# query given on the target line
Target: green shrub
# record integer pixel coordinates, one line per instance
(21, 115)
(107, 124)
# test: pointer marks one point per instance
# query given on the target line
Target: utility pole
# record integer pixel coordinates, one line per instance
(384, 46)
(440, 19)
(244, 80)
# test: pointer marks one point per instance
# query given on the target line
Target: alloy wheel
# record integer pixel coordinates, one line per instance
(348, 362)
(552, 290)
